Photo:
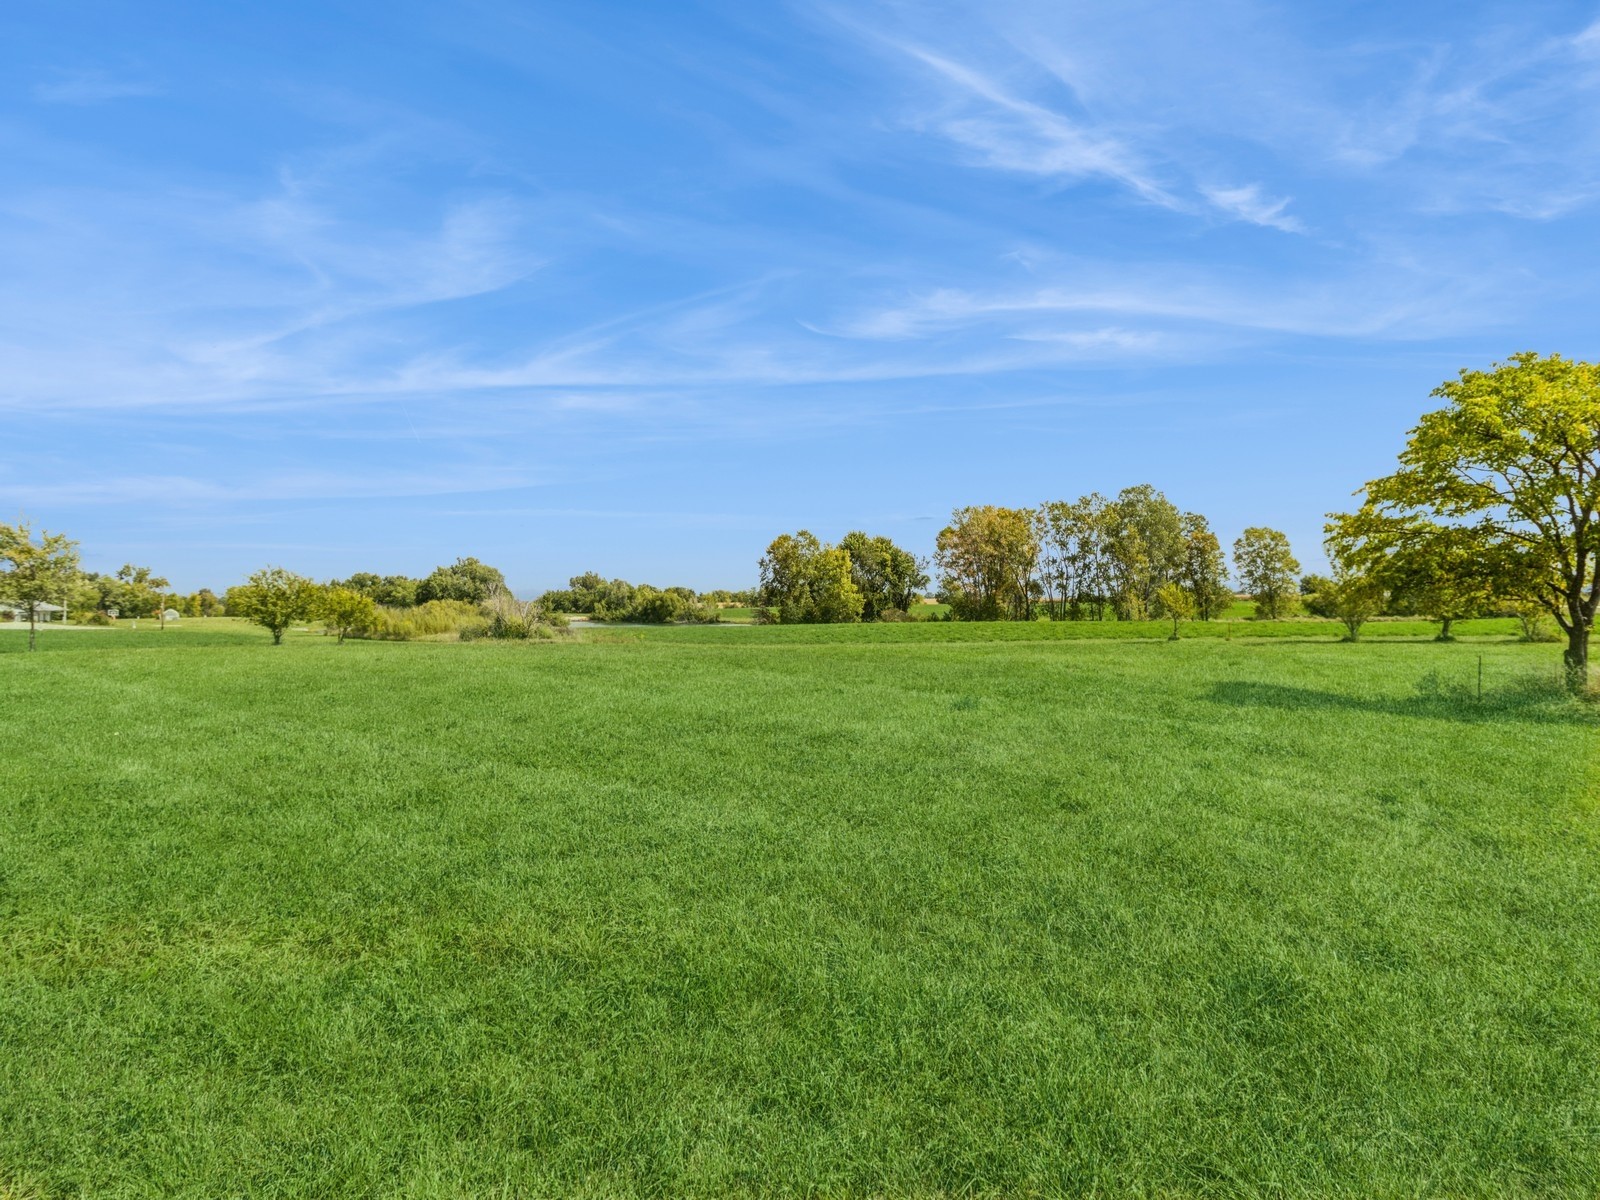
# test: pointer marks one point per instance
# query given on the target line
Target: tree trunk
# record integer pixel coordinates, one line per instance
(1444, 629)
(1576, 657)
(33, 627)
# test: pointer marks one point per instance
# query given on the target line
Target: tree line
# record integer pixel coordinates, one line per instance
(601, 599)
(1130, 558)
(1495, 505)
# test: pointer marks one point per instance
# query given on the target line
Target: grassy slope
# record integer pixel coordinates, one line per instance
(718, 911)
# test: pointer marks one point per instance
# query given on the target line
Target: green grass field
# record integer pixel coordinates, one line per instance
(911, 910)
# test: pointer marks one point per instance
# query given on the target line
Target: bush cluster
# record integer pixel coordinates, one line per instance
(604, 599)
(432, 619)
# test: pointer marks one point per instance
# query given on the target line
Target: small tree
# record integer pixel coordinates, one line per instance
(834, 594)
(1446, 572)
(1453, 585)
(1204, 569)
(275, 599)
(347, 611)
(1267, 569)
(1352, 599)
(34, 573)
(139, 593)
(1174, 602)
(1536, 622)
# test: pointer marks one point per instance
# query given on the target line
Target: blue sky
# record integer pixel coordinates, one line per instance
(633, 287)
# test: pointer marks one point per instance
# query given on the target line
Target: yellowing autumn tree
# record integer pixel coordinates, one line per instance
(987, 556)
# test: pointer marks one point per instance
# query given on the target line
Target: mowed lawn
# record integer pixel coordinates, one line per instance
(733, 912)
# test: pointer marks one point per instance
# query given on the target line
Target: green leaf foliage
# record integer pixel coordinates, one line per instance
(275, 599)
(1507, 474)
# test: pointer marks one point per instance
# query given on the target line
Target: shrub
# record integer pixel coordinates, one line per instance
(347, 612)
(1322, 603)
(1317, 595)
(697, 612)
(433, 619)
(508, 618)
(94, 618)
(1537, 624)
(507, 628)
(654, 607)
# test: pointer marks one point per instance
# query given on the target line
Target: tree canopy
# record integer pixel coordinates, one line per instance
(465, 579)
(804, 581)
(35, 572)
(275, 599)
(139, 592)
(346, 610)
(887, 577)
(987, 556)
(1267, 568)
(1512, 465)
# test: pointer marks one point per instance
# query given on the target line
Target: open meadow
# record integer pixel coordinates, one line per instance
(897, 909)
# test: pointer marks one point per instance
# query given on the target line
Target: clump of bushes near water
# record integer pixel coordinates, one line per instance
(500, 616)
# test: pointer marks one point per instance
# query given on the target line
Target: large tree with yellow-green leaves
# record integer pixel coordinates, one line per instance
(987, 557)
(806, 582)
(1510, 466)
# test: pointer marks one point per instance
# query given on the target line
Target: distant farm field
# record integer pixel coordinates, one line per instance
(912, 910)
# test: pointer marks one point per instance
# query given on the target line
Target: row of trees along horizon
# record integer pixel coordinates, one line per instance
(1495, 509)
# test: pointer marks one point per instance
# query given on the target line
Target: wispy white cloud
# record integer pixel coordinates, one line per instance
(1005, 129)
(1248, 204)
(283, 486)
(1363, 306)
(352, 272)
(91, 87)
(201, 297)
(1586, 42)
(1016, 134)
(1490, 118)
